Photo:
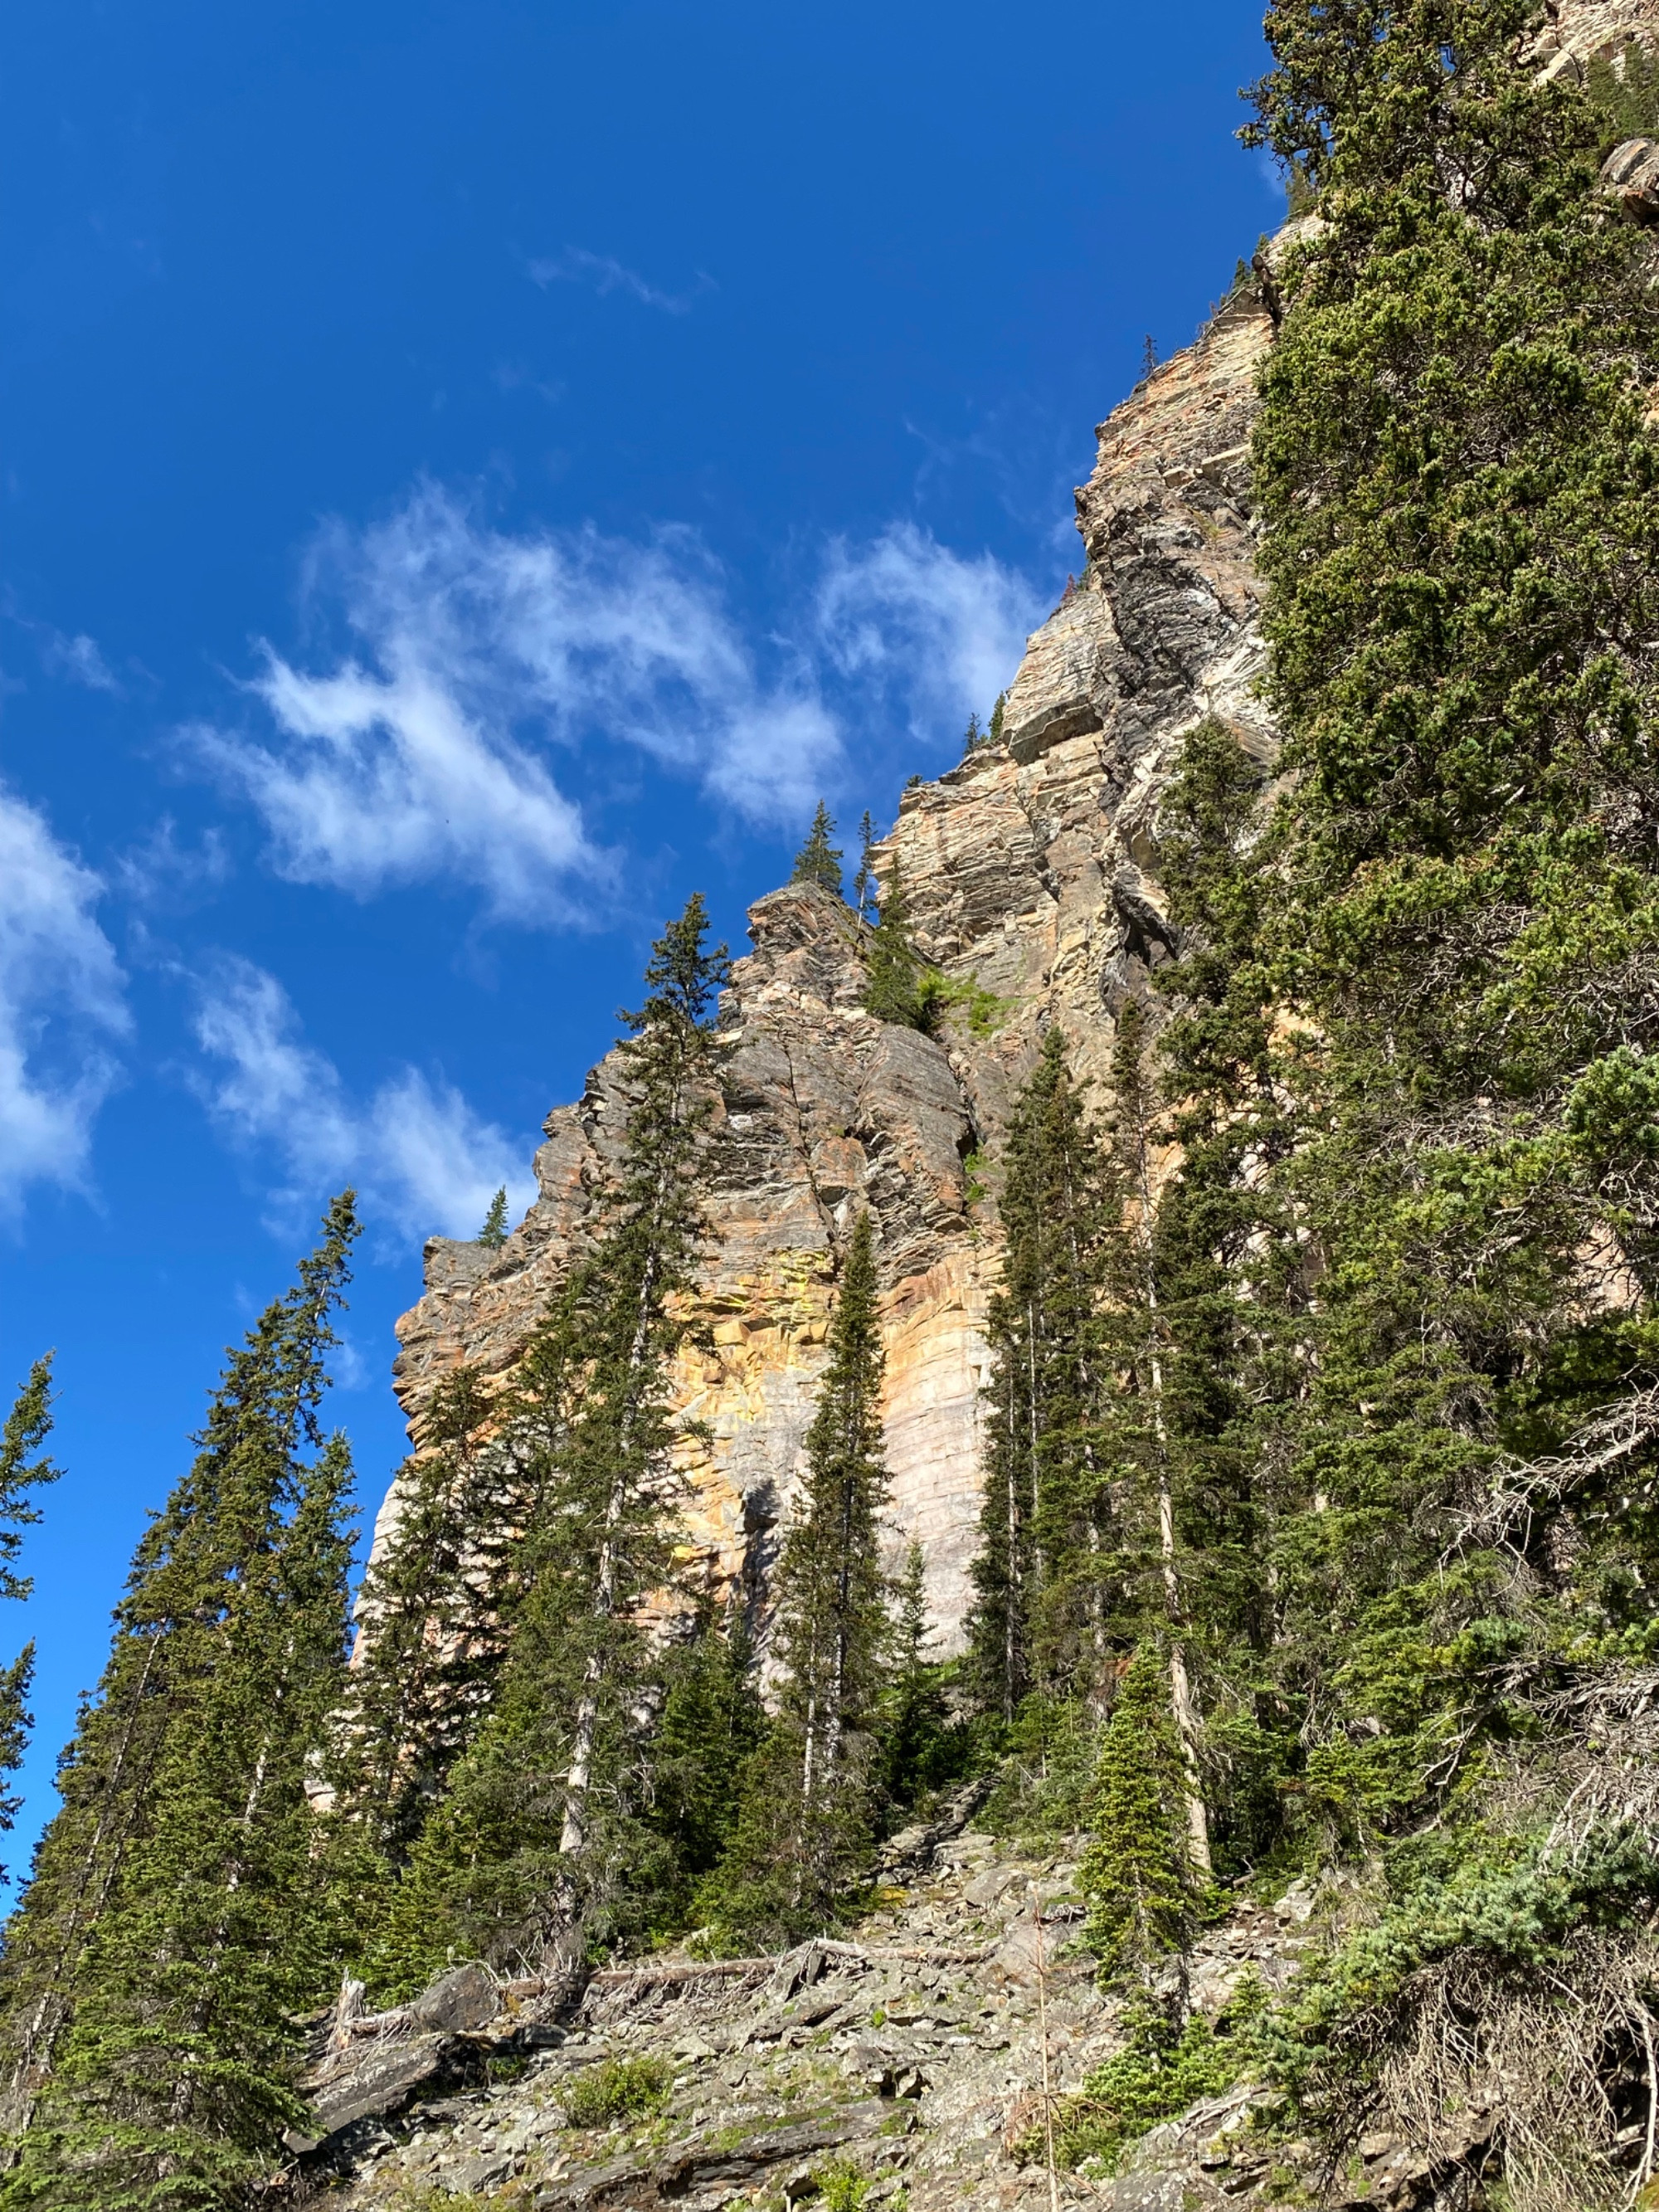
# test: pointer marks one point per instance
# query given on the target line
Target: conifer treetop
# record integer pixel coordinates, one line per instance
(24, 1466)
(818, 860)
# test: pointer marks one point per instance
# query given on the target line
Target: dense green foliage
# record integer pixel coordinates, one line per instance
(807, 1815)
(1320, 1521)
(545, 1831)
(179, 1917)
(24, 1469)
(432, 1611)
(493, 1235)
(818, 860)
(897, 990)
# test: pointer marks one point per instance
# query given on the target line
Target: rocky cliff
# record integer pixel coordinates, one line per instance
(1032, 869)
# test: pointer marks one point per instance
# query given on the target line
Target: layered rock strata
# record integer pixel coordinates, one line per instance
(1031, 869)
(1032, 872)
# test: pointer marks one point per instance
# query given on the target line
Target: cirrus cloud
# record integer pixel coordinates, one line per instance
(61, 1006)
(421, 1157)
(422, 755)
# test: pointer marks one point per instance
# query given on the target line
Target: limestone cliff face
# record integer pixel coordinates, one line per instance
(1032, 869)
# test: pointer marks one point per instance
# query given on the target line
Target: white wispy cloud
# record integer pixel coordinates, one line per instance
(421, 1158)
(61, 1006)
(78, 660)
(422, 755)
(943, 630)
(576, 266)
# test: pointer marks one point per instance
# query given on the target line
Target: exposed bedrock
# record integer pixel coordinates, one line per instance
(1032, 869)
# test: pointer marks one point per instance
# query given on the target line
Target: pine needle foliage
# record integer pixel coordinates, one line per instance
(898, 975)
(432, 1615)
(1040, 1576)
(1623, 89)
(493, 1235)
(1142, 1888)
(1457, 919)
(866, 890)
(179, 1917)
(545, 1833)
(24, 1469)
(819, 859)
(810, 1804)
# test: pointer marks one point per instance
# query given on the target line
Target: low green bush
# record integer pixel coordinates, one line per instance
(620, 2089)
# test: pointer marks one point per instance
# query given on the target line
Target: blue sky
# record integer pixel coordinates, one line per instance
(472, 474)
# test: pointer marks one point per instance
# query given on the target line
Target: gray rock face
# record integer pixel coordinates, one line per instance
(1631, 173)
(1033, 873)
(912, 2053)
(468, 1996)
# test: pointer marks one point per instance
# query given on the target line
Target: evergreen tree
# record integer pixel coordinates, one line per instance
(897, 988)
(1138, 1874)
(1455, 476)
(808, 1814)
(993, 735)
(866, 890)
(546, 1824)
(1143, 1340)
(973, 737)
(1463, 552)
(921, 1745)
(493, 1232)
(178, 1917)
(431, 1616)
(1041, 1574)
(713, 1723)
(24, 1469)
(818, 860)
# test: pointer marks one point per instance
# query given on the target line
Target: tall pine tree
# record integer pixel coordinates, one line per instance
(1041, 1574)
(432, 1616)
(807, 1819)
(177, 1915)
(545, 1828)
(818, 860)
(24, 1468)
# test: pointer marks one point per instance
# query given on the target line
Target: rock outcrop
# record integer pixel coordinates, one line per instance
(907, 2058)
(1032, 873)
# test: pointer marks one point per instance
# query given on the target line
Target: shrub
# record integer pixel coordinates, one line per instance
(620, 2089)
(1159, 2074)
(841, 2188)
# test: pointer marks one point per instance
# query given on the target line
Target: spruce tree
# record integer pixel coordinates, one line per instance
(712, 1725)
(493, 1232)
(1043, 1572)
(921, 1746)
(1138, 1875)
(1462, 553)
(807, 1818)
(897, 990)
(178, 1917)
(433, 1615)
(545, 1828)
(1455, 475)
(818, 860)
(24, 1469)
(973, 737)
(866, 890)
(1143, 1340)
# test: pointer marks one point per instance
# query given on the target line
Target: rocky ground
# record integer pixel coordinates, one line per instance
(900, 2068)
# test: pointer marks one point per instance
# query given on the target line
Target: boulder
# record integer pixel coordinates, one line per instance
(1630, 174)
(465, 1997)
